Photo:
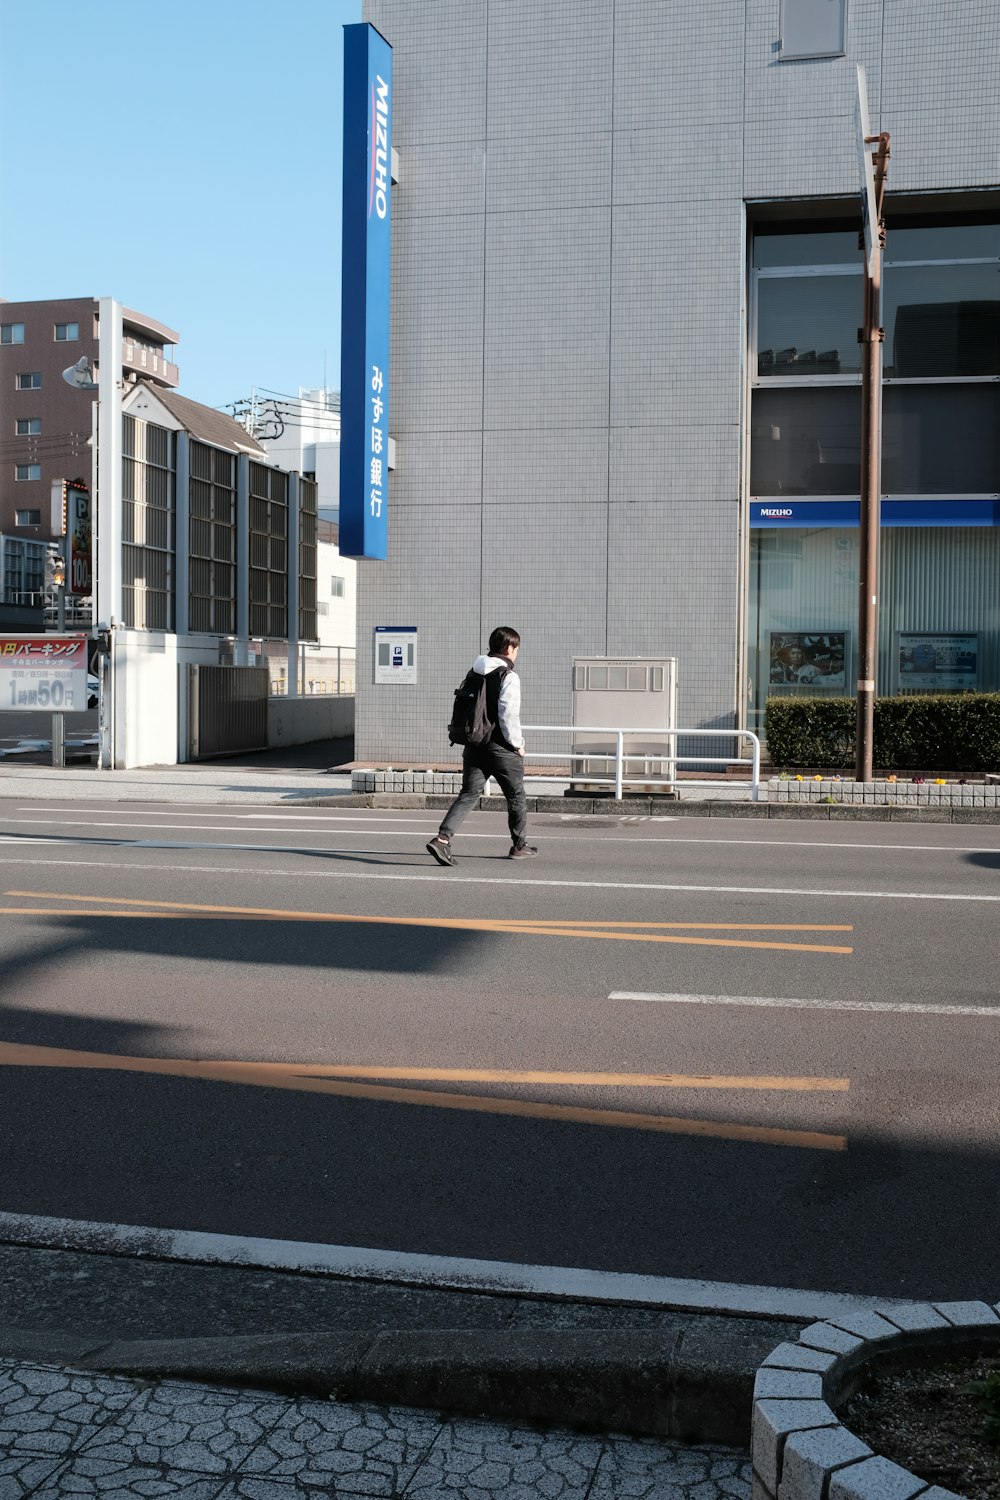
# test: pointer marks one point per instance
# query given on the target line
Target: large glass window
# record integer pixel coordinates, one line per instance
(940, 438)
(941, 321)
(935, 441)
(937, 612)
(808, 325)
(805, 442)
(834, 247)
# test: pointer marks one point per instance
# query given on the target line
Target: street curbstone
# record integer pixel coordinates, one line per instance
(798, 1357)
(914, 1317)
(810, 1458)
(874, 1479)
(322, 1364)
(712, 1377)
(831, 1463)
(787, 1385)
(870, 814)
(47, 1347)
(615, 1380)
(826, 1336)
(660, 807)
(976, 814)
(738, 810)
(866, 1325)
(773, 1422)
(758, 1489)
(966, 1314)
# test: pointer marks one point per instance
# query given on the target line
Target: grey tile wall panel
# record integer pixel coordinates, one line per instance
(437, 471)
(672, 163)
(659, 603)
(438, 65)
(555, 170)
(409, 722)
(437, 323)
(547, 312)
(548, 67)
(683, 465)
(801, 137)
(940, 98)
(677, 64)
(546, 467)
(677, 335)
(446, 178)
(808, 87)
(545, 573)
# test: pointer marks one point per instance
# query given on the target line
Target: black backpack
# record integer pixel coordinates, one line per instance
(470, 719)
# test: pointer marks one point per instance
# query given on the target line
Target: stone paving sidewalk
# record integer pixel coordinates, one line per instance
(65, 1433)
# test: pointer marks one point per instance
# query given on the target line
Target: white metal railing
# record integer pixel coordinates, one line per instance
(670, 756)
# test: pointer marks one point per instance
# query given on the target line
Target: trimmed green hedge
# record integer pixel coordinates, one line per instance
(932, 732)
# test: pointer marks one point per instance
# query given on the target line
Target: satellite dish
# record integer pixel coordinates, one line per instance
(81, 375)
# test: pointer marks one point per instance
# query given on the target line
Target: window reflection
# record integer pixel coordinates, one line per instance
(940, 440)
(808, 325)
(838, 247)
(942, 321)
(805, 442)
(943, 242)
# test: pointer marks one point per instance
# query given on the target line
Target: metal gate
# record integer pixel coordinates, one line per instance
(227, 710)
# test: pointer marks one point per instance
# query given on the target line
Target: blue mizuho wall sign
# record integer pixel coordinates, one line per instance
(364, 360)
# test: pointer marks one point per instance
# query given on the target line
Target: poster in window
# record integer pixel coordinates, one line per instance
(938, 663)
(810, 659)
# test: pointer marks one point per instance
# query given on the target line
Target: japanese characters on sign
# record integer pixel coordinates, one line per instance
(938, 663)
(377, 444)
(396, 653)
(78, 530)
(43, 673)
(364, 369)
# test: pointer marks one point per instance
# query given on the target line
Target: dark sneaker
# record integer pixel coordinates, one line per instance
(521, 851)
(441, 850)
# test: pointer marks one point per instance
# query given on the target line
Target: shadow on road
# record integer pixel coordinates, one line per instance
(986, 859)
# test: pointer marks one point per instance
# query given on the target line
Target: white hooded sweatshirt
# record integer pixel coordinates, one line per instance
(509, 702)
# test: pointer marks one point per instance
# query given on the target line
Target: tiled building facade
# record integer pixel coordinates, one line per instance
(573, 329)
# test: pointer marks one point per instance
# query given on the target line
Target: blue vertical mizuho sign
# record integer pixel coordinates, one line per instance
(364, 360)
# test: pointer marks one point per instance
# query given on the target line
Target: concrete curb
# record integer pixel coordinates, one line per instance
(662, 807)
(800, 1448)
(688, 1385)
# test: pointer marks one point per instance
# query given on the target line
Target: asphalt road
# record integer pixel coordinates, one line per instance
(291, 1023)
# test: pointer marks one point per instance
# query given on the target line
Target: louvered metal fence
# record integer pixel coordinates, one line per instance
(227, 710)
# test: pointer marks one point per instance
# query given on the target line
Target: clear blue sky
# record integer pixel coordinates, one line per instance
(184, 158)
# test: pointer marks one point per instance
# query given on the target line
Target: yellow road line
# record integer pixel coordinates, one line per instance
(286, 1076)
(553, 928)
(516, 922)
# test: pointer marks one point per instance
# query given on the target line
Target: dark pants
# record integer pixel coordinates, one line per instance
(479, 762)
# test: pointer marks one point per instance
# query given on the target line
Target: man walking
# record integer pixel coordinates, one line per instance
(501, 753)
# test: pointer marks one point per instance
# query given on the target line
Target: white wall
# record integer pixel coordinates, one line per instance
(338, 625)
(150, 703)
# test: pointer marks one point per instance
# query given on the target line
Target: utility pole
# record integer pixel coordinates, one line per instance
(874, 168)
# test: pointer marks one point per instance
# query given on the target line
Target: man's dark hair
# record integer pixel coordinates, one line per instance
(503, 639)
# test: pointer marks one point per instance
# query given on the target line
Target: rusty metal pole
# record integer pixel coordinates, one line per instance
(872, 336)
